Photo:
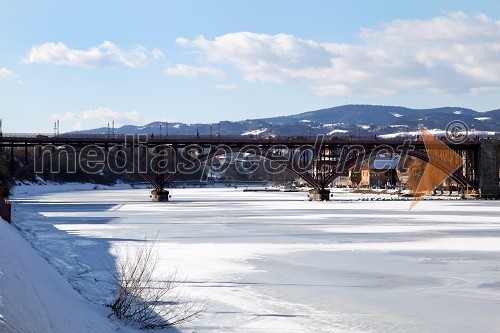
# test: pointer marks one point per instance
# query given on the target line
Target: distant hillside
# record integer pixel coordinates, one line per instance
(337, 121)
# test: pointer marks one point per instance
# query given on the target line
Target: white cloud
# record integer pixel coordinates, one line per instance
(225, 87)
(451, 54)
(95, 118)
(193, 72)
(105, 55)
(6, 74)
(262, 57)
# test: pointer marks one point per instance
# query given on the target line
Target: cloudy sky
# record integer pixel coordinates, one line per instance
(91, 62)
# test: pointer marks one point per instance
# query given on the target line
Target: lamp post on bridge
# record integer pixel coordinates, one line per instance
(56, 128)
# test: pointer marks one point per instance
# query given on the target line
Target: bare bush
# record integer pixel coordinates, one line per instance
(146, 301)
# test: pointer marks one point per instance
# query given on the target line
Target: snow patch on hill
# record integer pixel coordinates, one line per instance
(337, 131)
(255, 132)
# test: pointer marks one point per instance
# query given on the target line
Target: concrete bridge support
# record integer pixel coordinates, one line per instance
(489, 170)
(319, 194)
(5, 206)
(157, 196)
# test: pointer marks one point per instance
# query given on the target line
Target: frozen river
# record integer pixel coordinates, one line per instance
(274, 262)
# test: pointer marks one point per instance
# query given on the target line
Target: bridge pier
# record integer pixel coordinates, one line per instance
(489, 168)
(319, 194)
(158, 196)
(5, 206)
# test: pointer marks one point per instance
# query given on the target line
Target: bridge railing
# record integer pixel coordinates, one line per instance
(49, 137)
(155, 136)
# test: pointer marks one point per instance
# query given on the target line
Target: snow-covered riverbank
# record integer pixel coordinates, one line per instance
(35, 298)
(277, 262)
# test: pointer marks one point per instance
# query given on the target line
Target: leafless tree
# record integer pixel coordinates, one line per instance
(144, 300)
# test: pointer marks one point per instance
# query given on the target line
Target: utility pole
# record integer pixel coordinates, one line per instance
(113, 129)
(160, 130)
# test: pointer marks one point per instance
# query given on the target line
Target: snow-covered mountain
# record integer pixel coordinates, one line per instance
(336, 121)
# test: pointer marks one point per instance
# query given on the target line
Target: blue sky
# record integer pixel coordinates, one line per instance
(89, 62)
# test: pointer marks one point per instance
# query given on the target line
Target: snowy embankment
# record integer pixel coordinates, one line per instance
(34, 297)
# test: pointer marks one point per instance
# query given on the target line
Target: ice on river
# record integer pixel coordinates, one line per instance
(275, 262)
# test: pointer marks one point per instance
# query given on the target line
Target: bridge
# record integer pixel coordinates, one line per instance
(317, 160)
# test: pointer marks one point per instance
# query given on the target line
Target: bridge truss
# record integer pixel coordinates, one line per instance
(160, 160)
